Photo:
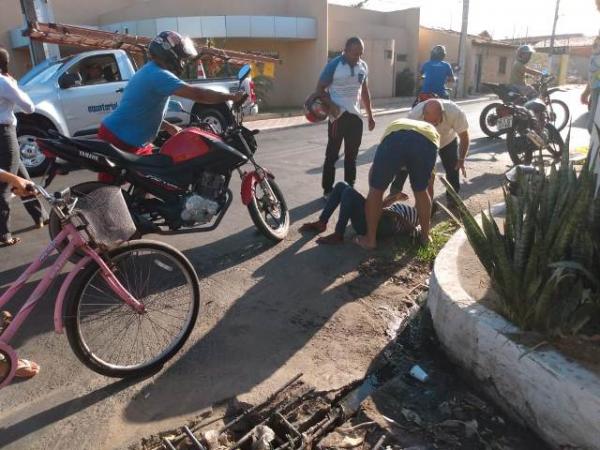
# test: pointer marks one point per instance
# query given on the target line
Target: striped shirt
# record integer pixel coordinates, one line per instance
(396, 218)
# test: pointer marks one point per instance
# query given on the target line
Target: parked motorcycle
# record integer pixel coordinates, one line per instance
(558, 111)
(184, 187)
(528, 130)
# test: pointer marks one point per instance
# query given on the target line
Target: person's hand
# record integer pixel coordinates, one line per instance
(460, 165)
(173, 129)
(237, 97)
(21, 186)
(585, 98)
(371, 123)
(334, 110)
(365, 243)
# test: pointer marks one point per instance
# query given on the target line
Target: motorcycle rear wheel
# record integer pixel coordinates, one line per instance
(521, 150)
(272, 220)
(487, 119)
(559, 113)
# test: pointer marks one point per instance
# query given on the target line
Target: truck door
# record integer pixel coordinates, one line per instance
(94, 90)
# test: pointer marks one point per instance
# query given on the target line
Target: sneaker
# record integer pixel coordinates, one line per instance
(317, 227)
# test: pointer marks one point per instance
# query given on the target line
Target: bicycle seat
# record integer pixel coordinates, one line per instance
(112, 152)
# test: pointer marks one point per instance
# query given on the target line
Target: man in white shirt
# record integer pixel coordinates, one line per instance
(342, 85)
(453, 127)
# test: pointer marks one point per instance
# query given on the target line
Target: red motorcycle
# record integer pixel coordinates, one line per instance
(184, 187)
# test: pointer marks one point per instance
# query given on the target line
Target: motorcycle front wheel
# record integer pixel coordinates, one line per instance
(559, 114)
(270, 215)
(488, 120)
(521, 149)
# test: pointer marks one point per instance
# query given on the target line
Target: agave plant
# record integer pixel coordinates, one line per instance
(545, 263)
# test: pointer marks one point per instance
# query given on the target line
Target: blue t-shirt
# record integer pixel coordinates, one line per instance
(137, 119)
(436, 73)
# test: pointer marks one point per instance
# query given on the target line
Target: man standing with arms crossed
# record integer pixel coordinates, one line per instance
(342, 85)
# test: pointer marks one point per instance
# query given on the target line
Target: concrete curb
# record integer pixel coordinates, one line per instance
(557, 398)
(377, 114)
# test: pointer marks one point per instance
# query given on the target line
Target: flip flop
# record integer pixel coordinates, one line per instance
(27, 369)
(9, 242)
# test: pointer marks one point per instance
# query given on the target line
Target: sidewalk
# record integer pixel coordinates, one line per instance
(381, 106)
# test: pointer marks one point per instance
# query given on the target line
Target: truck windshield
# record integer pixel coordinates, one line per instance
(42, 72)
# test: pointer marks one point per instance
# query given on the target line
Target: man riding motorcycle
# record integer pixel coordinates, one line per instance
(436, 73)
(520, 70)
(140, 114)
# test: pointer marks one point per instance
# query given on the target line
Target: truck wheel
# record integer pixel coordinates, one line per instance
(213, 117)
(33, 159)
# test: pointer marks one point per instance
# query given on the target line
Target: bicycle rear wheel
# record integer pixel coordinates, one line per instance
(112, 339)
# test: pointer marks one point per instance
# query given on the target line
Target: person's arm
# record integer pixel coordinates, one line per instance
(325, 80)
(373, 208)
(15, 95)
(393, 198)
(531, 71)
(585, 95)
(19, 185)
(207, 96)
(366, 100)
(451, 78)
(423, 205)
(463, 150)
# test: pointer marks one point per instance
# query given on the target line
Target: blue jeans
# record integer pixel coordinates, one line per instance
(352, 208)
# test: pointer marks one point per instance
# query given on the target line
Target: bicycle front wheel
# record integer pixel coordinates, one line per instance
(112, 339)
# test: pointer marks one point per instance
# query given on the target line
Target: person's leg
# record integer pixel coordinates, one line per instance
(593, 107)
(8, 162)
(352, 205)
(332, 153)
(352, 139)
(333, 201)
(449, 157)
(31, 204)
(398, 183)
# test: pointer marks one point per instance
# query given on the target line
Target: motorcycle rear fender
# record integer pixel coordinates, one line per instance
(555, 89)
(249, 181)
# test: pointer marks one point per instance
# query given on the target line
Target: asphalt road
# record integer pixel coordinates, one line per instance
(266, 309)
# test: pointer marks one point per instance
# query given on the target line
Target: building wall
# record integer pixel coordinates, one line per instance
(385, 35)
(491, 56)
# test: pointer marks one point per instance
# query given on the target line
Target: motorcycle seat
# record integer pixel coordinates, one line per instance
(112, 152)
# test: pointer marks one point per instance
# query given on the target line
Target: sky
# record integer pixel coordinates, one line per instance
(501, 18)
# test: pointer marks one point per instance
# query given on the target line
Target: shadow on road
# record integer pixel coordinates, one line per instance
(59, 412)
(262, 330)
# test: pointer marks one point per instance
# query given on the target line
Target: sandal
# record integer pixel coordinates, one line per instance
(27, 369)
(9, 242)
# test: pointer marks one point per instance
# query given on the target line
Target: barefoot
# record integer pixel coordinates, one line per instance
(362, 241)
(331, 239)
(315, 227)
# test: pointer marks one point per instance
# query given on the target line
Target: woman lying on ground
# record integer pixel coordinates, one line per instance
(396, 218)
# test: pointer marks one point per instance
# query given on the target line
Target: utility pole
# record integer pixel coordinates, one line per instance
(462, 51)
(552, 38)
(38, 11)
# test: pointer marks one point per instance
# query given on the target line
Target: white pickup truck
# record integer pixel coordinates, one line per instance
(72, 95)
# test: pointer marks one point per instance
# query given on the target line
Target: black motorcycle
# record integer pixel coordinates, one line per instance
(184, 186)
(557, 110)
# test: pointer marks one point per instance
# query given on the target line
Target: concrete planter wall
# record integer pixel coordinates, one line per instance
(557, 398)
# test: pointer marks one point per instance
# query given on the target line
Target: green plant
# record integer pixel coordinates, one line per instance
(545, 263)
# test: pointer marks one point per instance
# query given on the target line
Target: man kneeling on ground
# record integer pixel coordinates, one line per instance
(407, 144)
(396, 217)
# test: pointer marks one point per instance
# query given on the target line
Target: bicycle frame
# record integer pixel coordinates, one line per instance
(70, 233)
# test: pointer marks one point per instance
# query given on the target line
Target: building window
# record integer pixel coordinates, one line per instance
(401, 57)
(502, 65)
(388, 54)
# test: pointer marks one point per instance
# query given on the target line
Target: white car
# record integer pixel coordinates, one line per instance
(72, 95)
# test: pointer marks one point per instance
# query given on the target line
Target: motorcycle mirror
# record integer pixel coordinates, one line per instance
(244, 72)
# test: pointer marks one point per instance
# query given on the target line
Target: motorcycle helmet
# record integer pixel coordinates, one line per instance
(438, 52)
(172, 50)
(314, 109)
(524, 53)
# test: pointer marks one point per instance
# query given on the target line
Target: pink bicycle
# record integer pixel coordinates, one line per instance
(127, 308)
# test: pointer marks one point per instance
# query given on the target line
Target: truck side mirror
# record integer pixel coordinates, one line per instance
(68, 80)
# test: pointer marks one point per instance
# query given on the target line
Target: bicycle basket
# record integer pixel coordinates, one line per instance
(109, 221)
